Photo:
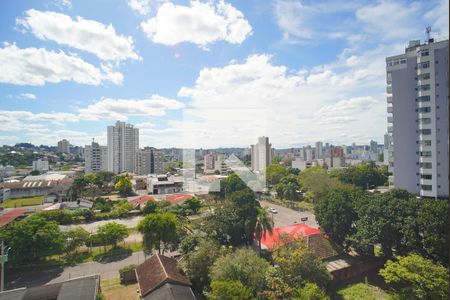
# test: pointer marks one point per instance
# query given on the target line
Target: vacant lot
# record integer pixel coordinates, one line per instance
(363, 291)
(12, 203)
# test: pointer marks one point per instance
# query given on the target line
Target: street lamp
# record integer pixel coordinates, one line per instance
(3, 258)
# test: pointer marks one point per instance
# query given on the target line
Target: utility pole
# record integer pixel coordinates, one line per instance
(4, 258)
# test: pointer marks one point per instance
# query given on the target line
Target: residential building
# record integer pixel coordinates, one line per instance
(149, 161)
(336, 157)
(63, 146)
(417, 105)
(208, 162)
(299, 163)
(123, 145)
(261, 154)
(319, 150)
(96, 158)
(160, 278)
(40, 165)
(164, 184)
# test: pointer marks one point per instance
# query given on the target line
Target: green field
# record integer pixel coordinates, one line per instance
(12, 203)
(363, 291)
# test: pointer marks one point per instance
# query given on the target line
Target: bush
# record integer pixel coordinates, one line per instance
(61, 217)
(127, 274)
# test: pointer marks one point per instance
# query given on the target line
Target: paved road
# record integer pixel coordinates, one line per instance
(287, 216)
(107, 271)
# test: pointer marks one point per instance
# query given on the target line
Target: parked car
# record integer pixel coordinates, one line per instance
(273, 210)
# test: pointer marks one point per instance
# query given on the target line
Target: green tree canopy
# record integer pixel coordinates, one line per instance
(417, 277)
(365, 175)
(159, 231)
(275, 172)
(229, 290)
(123, 185)
(243, 266)
(317, 182)
(74, 238)
(32, 238)
(111, 233)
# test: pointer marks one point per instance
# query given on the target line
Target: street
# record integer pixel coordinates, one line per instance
(287, 216)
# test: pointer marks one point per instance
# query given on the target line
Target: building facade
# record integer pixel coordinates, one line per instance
(417, 100)
(40, 165)
(150, 161)
(96, 158)
(261, 154)
(123, 145)
(63, 146)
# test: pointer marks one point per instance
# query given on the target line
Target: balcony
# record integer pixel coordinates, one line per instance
(389, 99)
(390, 129)
(389, 89)
(390, 120)
(390, 109)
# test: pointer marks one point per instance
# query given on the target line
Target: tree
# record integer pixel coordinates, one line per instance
(229, 290)
(417, 277)
(74, 238)
(274, 173)
(32, 238)
(192, 204)
(310, 291)
(317, 182)
(112, 233)
(150, 208)
(120, 209)
(199, 261)
(123, 185)
(35, 172)
(365, 175)
(264, 224)
(243, 266)
(287, 188)
(159, 232)
(298, 265)
(335, 213)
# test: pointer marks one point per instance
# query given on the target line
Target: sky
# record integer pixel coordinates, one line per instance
(203, 73)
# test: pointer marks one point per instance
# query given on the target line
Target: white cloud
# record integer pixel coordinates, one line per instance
(121, 109)
(28, 96)
(333, 103)
(392, 20)
(438, 19)
(144, 7)
(83, 34)
(37, 66)
(200, 23)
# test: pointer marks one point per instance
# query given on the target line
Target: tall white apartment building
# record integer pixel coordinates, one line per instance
(40, 165)
(96, 158)
(123, 145)
(319, 150)
(261, 154)
(417, 99)
(63, 146)
(149, 161)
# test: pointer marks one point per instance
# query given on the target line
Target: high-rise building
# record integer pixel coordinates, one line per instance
(208, 162)
(40, 165)
(149, 161)
(261, 154)
(319, 150)
(417, 100)
(123, 145)
(63, 146)
(96, 158)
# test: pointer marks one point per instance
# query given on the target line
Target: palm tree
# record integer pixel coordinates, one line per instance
(264, 224)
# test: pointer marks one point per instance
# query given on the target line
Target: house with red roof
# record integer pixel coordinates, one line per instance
(140, 201)
(11, 215)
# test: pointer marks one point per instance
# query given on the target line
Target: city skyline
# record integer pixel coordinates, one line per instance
(308, 84)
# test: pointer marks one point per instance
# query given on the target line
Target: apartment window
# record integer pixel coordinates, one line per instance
(425, 165)
(426, 187)
(426, 176)
(426, 109)
(423, 99)
(424, 76)
(425, 143)
(425, 120)
(424, 65)
(423, 87)
(425, 153)
(424, 53)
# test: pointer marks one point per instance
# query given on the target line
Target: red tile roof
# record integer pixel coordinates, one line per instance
(141, 199)
(177, 198)
(157, 271)
(11, 215)
(298, 230)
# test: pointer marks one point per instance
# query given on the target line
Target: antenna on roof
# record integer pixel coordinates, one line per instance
(428, 31)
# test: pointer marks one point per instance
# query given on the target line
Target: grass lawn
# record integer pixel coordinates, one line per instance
(12, 203)
(362, 291)
(113, 290)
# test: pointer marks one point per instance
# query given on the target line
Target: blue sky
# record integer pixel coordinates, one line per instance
(203, 73)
